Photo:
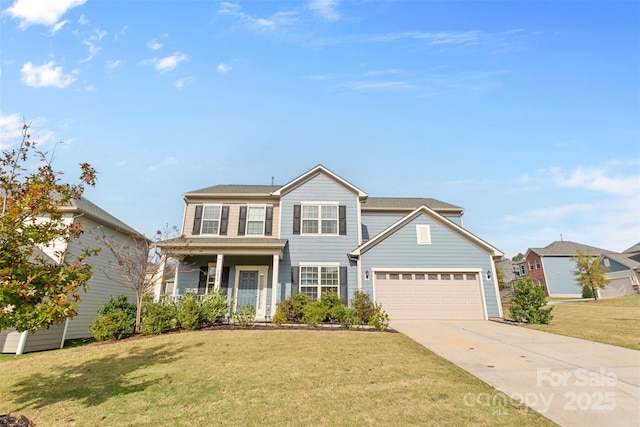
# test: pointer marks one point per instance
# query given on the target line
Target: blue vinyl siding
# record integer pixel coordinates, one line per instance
(560, 280)
(455, 218)
(329, 249)
(448, 249)
(373, 224)
(615, 266)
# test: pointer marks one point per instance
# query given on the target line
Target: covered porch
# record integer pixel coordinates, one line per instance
(245, 270)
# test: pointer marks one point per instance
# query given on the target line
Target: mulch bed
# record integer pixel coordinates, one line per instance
(11, 421)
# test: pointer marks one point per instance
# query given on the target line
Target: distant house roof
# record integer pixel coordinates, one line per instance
(633, 249)
(625, 259)
(407, 203)
(566, 248)
(85, 207)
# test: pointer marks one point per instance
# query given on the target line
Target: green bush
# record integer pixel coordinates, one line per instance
(291, 308)
(346, 316)
(380, 318)
(587, 292)
(116, 319)
(158, 317)
(189, 311)
(214, 307)
(314, 313)
(245, 315)
(528, 303)
(279, 318)
(364, 307)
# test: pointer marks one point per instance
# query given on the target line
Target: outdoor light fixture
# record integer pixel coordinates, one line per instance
(488, 274)
(366, 275)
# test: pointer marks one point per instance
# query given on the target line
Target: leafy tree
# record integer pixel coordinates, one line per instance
(518, 257)
(35, 290)
(528, 303)
(589, 272)
(138, 265)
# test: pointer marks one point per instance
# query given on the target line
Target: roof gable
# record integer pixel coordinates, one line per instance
(424, 210)
(314, 172)
(85, 207)
(566, 248)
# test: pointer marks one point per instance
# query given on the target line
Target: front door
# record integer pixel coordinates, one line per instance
(251, 288)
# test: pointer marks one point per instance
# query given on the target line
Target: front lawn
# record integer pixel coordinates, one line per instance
(613, 321)
(253, 377)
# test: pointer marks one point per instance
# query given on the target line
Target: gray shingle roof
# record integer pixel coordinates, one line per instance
(406, 203)
(236, 189)
(85, 206)
(566, 248)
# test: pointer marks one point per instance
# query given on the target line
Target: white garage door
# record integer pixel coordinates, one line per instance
(429, 295)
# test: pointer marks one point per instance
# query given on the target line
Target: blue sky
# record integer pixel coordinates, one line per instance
(527, 114)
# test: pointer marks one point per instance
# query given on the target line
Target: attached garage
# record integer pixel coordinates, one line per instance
(432, 295)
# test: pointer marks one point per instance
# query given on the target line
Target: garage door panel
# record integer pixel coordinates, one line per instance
(430, 296)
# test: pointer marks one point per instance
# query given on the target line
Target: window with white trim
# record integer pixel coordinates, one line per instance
(211, 219)
(316, 280)
(319, 219)
(255, 220)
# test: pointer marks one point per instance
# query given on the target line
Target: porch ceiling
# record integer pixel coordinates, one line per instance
(222, 245)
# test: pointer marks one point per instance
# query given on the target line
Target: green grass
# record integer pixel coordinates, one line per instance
(252, 377)
(614, 321)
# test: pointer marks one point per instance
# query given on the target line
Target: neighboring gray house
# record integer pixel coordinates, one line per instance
(318, 233)
(552, 268)
(96, 222)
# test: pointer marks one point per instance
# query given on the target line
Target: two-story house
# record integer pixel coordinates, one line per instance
(317, 233)
(552, 267)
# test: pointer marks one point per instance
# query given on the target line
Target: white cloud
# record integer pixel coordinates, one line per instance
(223, 68)
(83, 20)
(439, 38)
(381, 85)
(180, 83)
(91, 42)
(11, 130)
(325, 8)
(45, 75)
(114, 64)
(58, 26)
(279, 19)
(154, 45)
(169, 63)
(41, 12)
(166, 162)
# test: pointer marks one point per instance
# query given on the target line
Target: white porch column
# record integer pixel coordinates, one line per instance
(219, 261)
(175, 279)
(275, 285)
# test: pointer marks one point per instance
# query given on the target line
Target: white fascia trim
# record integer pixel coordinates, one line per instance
(427, 270)
(319, 264)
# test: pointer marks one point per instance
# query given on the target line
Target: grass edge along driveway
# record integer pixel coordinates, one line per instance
(249, 377)
(614, 321)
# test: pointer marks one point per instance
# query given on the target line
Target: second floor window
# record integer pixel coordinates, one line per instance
(211, 219)
(319, 219)
(255, 220)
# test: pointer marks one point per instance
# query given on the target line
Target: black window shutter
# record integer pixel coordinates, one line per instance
(294, 280)
(296, 219)
(202, 281)
(344, 289)
(197, 220)
(342, 220)
(268, 221)
(224, 220)
(225, 278)
(242, 224)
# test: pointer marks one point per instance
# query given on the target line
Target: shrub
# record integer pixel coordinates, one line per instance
(330, 300)
(291, 308)
(158, 317)
(364, 307)
(528, 303)
(245, 315)
(189, 311)
(380, 318)
(214, 307)
(587, 292)
(116, 319)
(314, 313)
(279, 318)
(346, 316)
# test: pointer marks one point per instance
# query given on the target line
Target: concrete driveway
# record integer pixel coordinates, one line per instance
(571, 381)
